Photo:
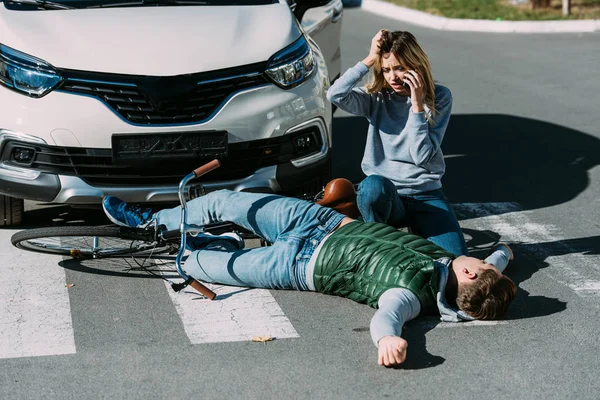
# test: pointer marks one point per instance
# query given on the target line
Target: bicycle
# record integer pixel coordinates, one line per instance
(156, 242)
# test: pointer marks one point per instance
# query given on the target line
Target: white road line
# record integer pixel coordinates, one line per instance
(35, 314)
(468, 324)
(434, 322)
(567, 266)
(237, 314)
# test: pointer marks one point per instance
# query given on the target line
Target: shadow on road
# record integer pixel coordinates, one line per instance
(61, 215)
(124, 267)
(417, 356)
(501, 158)
(493, 158)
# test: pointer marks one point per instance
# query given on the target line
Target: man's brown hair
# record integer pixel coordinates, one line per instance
(488, 296)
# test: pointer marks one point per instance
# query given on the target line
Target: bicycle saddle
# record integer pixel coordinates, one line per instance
(340, 195)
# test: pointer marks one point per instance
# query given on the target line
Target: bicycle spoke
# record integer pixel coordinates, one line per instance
(90, 245)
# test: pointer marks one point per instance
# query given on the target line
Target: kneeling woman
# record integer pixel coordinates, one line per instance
(408, 114)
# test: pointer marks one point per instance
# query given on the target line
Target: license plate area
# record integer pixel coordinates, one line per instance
(159, 147)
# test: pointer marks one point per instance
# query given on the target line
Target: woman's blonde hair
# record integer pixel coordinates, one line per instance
(404, 46)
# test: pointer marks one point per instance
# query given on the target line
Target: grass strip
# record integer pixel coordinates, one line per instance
(502, 9)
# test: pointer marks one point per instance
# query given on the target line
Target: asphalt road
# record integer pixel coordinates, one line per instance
(523, 149)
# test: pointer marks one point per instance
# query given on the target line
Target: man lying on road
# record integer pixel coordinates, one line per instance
(318, 249)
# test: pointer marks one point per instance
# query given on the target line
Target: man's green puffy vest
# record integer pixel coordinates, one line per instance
(361, 260)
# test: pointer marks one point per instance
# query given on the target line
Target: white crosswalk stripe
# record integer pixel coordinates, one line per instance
(434, 323)
(237, 314)
(35, 314)
(577, 271)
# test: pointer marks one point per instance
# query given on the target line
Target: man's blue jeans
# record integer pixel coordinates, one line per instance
(295, 227)
(428, 214)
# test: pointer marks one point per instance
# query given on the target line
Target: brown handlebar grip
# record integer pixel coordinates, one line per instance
(206, 292)
(206, 168)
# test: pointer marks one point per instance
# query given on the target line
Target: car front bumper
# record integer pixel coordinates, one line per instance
(297, 176)
(73, 190)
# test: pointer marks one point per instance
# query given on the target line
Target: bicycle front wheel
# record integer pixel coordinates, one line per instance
(91, 242)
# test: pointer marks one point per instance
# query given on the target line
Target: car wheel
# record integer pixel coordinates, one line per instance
(11, 210)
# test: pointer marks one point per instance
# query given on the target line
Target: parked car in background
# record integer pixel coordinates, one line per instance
(113, 97)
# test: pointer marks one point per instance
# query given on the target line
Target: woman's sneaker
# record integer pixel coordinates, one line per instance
(124, 214)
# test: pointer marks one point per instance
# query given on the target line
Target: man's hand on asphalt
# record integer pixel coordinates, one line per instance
(392, 350)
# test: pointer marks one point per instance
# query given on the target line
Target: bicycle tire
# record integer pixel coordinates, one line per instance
(78, 242)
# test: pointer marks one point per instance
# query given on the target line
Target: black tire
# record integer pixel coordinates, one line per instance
(11, 211)
(77, 242)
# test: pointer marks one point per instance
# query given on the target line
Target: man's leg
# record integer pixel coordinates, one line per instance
(269, 216)
(432, 217)
(378, 201)
(272, 267)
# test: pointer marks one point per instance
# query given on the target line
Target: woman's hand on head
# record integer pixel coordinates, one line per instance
(374, 52)
(417, 88)
(376, 43)
(391, 350)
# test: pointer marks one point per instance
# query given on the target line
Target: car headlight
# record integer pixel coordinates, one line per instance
(26, 74)
(292, 65)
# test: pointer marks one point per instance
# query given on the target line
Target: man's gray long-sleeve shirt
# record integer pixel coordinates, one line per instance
(398, 306)
(401, 145)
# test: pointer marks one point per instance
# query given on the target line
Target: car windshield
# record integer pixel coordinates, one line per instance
(30, 5)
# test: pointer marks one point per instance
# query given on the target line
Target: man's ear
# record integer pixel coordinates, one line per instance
(468, 273)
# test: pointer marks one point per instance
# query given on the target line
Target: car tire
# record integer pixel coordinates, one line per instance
(11, 210)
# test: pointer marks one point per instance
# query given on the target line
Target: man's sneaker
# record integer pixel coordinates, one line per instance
(203, 239)
(124, 214)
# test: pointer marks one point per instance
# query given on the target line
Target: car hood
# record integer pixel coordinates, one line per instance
(160, 41)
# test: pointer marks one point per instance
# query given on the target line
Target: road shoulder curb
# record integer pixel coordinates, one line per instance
(475, 25)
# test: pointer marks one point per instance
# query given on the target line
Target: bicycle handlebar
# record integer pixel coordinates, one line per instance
(204, 169)
(206, 292)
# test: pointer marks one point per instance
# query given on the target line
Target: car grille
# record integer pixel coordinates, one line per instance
(149, 100)
(96, 166)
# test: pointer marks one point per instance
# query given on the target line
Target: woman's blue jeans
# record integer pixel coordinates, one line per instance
(428, 214)
(294, 227)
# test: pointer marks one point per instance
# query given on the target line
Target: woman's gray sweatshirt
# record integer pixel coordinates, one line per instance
(401, 144)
